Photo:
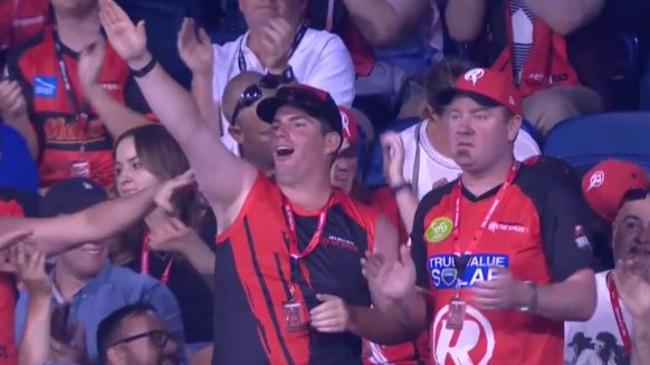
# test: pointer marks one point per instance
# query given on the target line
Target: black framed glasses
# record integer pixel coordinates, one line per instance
(158, 338)
(248, 97)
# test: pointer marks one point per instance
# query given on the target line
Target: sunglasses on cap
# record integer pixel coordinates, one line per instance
(158, 338)
(247, 98)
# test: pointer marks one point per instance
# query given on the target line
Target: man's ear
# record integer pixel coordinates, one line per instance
(236, 133)
(514, 125)
(332, 143)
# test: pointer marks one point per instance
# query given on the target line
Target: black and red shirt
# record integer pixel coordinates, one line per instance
(57, 118)
(254, 276)
(20, 20)
(537, 232)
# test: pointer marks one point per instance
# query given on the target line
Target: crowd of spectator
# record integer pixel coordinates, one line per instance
(318, 182)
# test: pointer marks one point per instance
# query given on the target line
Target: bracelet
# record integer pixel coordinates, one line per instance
(532, 306)
(146, 69)
(397, 188)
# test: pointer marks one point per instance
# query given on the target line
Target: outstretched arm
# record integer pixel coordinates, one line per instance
(101, 221)
(209, 158)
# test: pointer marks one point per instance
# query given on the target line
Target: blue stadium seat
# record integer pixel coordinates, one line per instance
(585, 141)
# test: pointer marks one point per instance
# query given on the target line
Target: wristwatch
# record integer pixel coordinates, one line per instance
(532, 306)
(272, 81)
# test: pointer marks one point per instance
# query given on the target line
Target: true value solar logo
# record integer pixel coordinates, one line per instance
(479, 268)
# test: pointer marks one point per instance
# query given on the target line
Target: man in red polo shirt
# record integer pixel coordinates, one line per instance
(502, 249)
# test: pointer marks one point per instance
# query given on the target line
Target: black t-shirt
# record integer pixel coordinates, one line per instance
(192, 292)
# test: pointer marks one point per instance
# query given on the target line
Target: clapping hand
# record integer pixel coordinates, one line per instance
(12, 102)
(393, 157)
(195, 48)
(393, 280)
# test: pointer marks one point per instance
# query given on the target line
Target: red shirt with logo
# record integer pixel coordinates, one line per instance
(20, 20)
(536, 232)
(8, 354)
(59, 123)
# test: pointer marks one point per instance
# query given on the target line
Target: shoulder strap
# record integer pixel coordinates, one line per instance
(416, 161)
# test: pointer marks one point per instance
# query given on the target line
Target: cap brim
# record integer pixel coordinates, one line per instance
(268, 108)
(445, 96)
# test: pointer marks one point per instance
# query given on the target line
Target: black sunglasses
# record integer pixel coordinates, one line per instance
(247, 98)
(158, 338)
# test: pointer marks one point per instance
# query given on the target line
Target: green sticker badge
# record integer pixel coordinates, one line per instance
(439, 230)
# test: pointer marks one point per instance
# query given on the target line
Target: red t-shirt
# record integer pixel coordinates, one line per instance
(535, 232)
(54, 116)
(8, 354)
(21, 19)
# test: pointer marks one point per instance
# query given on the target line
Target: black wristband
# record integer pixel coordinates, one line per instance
(397, 188)
(272, 81)
(146, 69)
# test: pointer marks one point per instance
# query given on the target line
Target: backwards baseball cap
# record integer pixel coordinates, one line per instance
(315, 102)
(71, 196)
(486, 84)
(606, 183)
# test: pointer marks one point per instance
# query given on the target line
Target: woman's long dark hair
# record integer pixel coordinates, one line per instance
(161, 155)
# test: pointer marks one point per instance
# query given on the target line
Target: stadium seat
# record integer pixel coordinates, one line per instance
(585, 141)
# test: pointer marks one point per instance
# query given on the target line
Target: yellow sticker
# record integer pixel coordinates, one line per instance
(439, 230)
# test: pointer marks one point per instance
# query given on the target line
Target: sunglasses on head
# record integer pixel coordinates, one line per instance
(248, 97)
(158, 338)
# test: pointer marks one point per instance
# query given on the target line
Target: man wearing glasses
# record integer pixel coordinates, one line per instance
(136, 335)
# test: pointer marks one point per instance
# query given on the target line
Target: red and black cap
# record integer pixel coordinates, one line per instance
(487, 87)
(315, 102)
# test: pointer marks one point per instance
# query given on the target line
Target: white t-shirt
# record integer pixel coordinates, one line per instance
(601, 325)
(434, 166)
(321, 60)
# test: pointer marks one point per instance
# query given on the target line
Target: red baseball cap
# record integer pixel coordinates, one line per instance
(606, 183)
(486, 83)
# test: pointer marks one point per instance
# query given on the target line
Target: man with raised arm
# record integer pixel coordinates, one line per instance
(289, 281)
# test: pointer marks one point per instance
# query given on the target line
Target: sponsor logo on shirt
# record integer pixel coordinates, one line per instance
(45, 86)
(28, 21)
(479, 268)
(507, 227)
(475, 338)
(439, 230)
(340, 243)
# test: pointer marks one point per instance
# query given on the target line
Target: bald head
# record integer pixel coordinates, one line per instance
(234, 89)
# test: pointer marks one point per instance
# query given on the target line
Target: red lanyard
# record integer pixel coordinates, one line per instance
(618, 313)
(495, 204)
(294, 250)
(144, 262)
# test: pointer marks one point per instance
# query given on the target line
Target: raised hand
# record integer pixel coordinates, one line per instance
(195, 51)
(127, 39)
(30, 269)
(395, 281)
(331, 316)
(12, 102)
(393, 157)
(275, 44)
(168, 233)
(171, 188)
(90, 64)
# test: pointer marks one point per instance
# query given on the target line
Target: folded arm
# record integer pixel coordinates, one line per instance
(566, 16)
(386, 22)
